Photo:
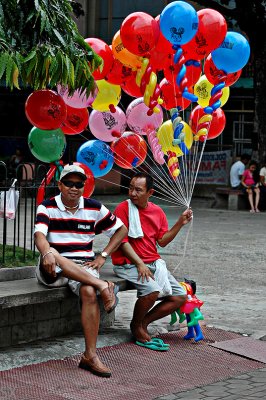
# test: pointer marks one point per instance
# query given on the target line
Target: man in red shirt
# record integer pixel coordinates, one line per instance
(138, 260)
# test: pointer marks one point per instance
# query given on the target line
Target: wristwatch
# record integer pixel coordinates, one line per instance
(104, 254)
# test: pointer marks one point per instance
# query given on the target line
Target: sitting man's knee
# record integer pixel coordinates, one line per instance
(88, 293)
(180, 300)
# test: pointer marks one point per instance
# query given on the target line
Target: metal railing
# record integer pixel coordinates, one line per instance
(18, 231)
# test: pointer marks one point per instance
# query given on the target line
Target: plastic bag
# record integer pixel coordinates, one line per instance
(8, 207)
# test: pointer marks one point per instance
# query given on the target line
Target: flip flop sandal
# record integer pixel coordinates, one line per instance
(152, 346)
(160, 342)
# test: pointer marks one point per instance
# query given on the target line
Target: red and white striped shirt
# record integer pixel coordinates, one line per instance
(70, 234)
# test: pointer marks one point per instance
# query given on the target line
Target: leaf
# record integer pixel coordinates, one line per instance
(30, 56)
(31, 65)
(9, 69)
(59, 37)
(37, 5)
(3, 63)
(15, 76)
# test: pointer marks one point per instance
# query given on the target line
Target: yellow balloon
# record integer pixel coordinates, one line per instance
(165, 137)
(107, 94)
(123, 55)
(202, 90)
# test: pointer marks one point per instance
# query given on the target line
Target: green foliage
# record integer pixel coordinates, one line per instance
(40, 46)
(17, 258)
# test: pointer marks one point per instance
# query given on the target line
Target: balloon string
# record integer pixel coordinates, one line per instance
(185, 247)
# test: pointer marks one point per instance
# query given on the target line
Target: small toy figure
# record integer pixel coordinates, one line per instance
(190, 311)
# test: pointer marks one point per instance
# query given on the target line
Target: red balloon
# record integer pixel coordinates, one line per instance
(90, 181)
(130, 150)
(130, 87)
(171, 71)
(119, 73)
(76, 121)
(215, 127)
(172, 97)
(45, 109)
(103, 50)
(214, 74)
(139, 33)
(162, 52)
(210, 34)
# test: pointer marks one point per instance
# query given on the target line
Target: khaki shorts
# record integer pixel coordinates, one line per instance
(130, 273)
(60, 280)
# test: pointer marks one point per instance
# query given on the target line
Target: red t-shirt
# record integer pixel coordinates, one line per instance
(154, 225)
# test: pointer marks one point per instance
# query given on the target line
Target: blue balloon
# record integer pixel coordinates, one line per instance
(233, 54)
(97, 155)
(179, 22)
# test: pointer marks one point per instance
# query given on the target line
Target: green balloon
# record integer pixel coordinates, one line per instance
(47, 146)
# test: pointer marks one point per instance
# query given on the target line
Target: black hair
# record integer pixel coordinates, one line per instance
(245, 157)
(253, 162)
(192, 284)
(148, 177)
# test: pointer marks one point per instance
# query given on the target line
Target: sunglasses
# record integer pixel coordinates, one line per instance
(71, 184)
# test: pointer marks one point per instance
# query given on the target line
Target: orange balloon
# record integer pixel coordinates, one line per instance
(123, 55)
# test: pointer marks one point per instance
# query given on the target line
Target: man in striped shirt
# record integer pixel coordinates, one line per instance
(64, 231)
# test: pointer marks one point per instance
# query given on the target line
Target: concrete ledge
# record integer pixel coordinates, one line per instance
(31, 311)
(11, 274)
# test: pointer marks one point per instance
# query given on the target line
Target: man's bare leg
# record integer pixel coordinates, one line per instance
(90, 319)
(73, 271)
(164, 308)
(142, 307)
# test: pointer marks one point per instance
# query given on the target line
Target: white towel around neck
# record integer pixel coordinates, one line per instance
(134, 226)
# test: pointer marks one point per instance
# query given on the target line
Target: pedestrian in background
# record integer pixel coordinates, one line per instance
(237, 170)
(263, 184)
(250, 185)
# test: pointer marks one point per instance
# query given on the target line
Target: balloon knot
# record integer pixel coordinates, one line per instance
(112, 108)
(116, 134)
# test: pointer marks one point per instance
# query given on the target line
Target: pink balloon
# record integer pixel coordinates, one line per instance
(138, 120)
(107, 126)
(78, 99)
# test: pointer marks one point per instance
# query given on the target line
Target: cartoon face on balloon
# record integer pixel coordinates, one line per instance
(107, 126)
(179, 22)
(45, 109)
(130, 150)
(97, 155)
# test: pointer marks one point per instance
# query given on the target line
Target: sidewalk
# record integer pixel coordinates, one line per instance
(224, 251)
